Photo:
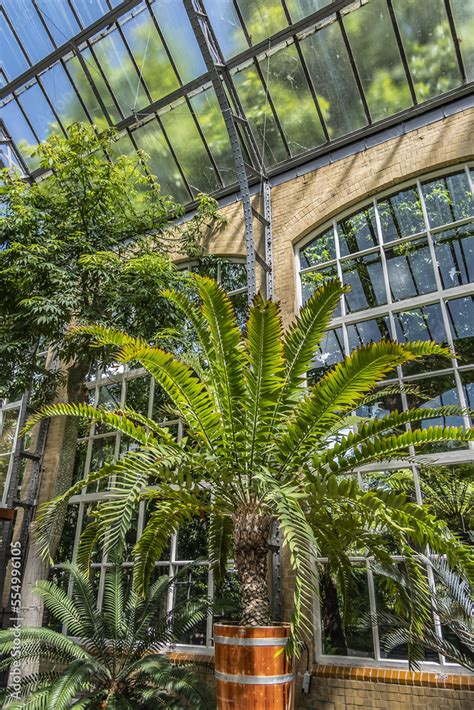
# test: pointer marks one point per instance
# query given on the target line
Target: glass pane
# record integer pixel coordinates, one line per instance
(385, 603)
(90, 10)
(123, 146)
(150, 138)
(342, 634)
(428, 45)
(262, 18)
(192, 541)
(464, 20)
(410, 269)
(382, 405)
(328, 354)
(448, 492)
(59, 18)
(28, 26)
(240, 303)
(109, 396)
(333, 80)
(233, 275)
(467, 378)
(13, 59)
(192, 584)
(66, 543)
(179, 37)
(8, 425)
(448, 199)
(80, 460)
(39, 112)
(375, 49)
(437, 391)
(118, 68)
(311, 280)
(189, 148)
(102, 452)
(138, 394)
(4, 466)
(302, 8)
(357, 232)
(226, 25)
(259, 113)
(401, 215)
(288, 88)
(83, 84)
(20, 132)
(368, 331)
(364, 275)
(455, 255)
(150, 55)
(206, 108)
(318, 250)
(461, 316)
(425, 323)
(62, 95)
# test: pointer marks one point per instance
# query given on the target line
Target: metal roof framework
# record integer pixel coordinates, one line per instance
(249, 87)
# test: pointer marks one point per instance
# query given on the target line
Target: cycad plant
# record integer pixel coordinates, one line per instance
(110, 658)
(258, 440)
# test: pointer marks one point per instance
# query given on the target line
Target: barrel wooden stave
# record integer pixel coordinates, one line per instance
(254, 664)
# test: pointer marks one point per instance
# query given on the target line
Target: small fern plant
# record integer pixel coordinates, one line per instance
(258, 440)
(110, 657)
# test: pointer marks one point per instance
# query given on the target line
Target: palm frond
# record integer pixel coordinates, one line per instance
(385, 448)
(227, 347)
(338, 392)
(187, 392)
(64, 690)
(174, 510)
(113, 602)
(263, 375)
(372, 429)
(115, 419)
(306, 332)
(57, 601)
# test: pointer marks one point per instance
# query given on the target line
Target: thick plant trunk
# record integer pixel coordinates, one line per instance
(56, 477)
(251, 535)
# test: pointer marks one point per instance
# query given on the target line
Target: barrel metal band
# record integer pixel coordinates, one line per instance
(255, 679)
(231, 641)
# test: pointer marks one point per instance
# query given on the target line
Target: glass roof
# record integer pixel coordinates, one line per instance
(306, 73)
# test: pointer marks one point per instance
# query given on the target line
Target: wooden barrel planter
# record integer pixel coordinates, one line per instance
(250, 673)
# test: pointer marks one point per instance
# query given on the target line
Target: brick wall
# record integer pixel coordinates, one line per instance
(345, 688)
(333, 694)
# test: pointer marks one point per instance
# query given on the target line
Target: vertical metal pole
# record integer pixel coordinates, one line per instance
(267, 213)
(214, 62)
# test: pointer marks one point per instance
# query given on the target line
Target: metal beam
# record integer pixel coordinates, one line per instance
(214, 63)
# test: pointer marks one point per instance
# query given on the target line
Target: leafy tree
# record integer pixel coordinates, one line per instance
(89, 243)
(117, 661)
(256, 449)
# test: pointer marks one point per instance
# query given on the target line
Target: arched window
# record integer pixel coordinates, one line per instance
(408, 257)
